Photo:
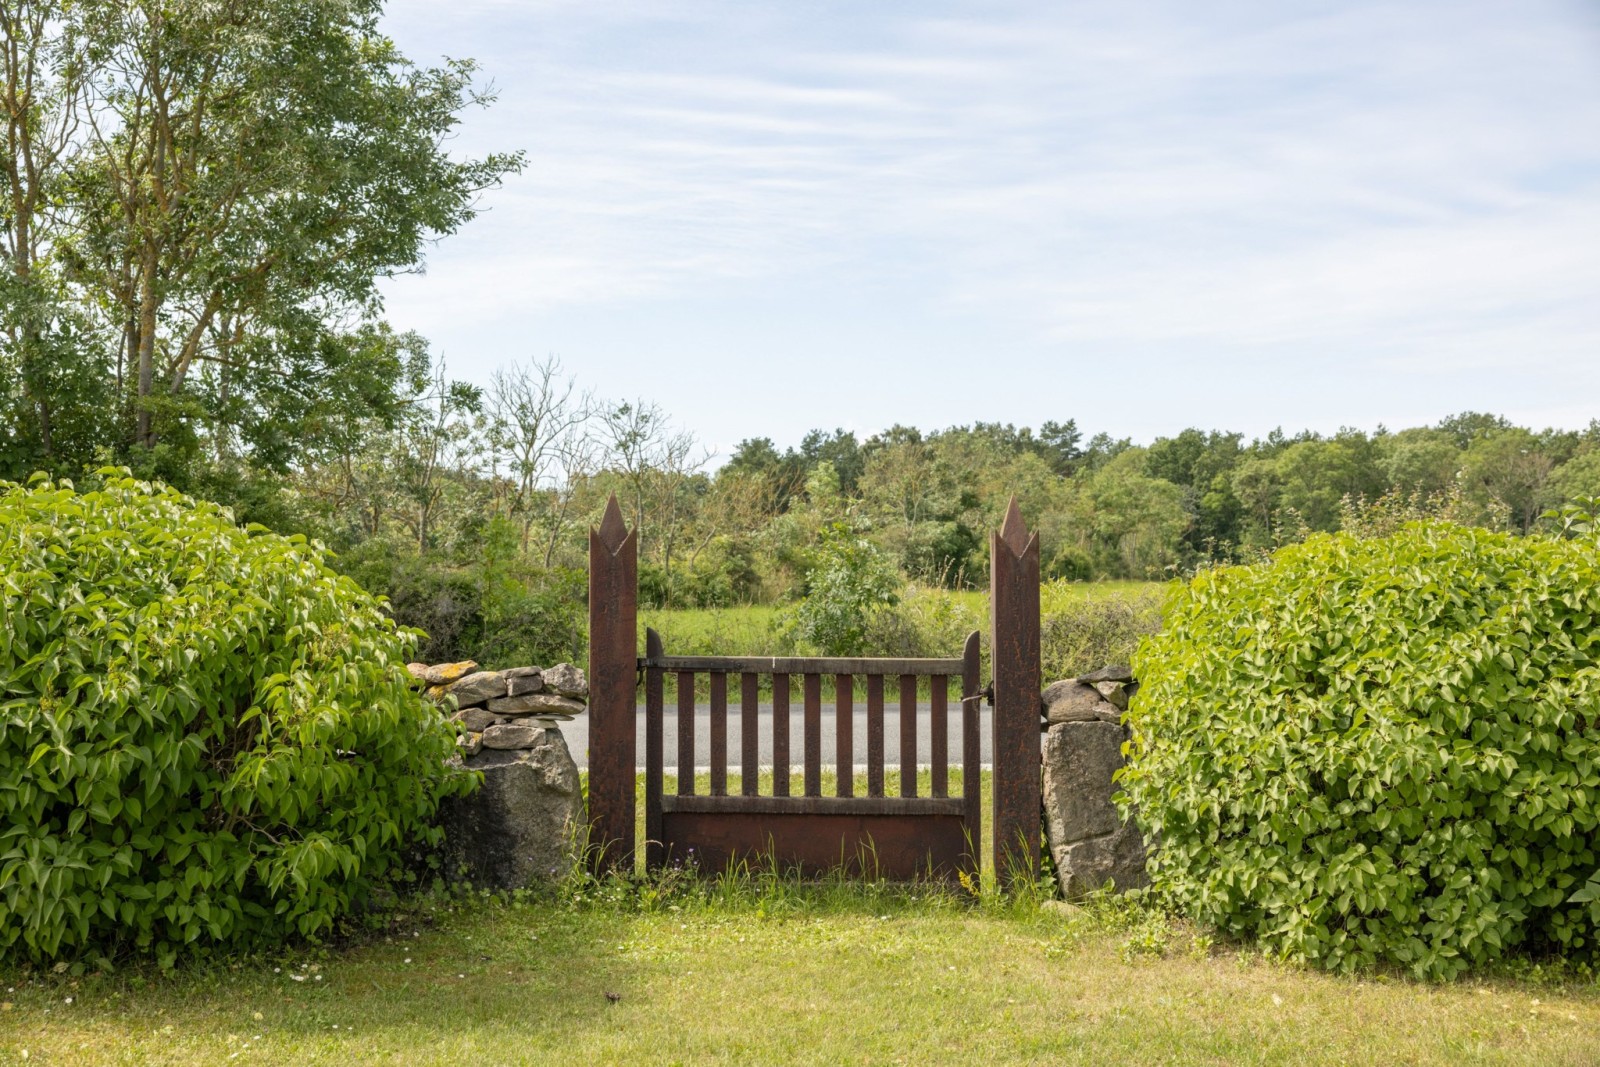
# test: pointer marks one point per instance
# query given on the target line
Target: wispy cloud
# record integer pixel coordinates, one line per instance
(1417, 182)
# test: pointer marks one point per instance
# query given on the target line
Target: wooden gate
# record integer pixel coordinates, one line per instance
(901, 836)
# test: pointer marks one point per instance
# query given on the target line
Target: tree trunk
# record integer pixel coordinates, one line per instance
(44, 429)
(147, 345)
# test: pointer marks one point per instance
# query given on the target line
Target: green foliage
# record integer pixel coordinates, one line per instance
(1506, 473)
(1389, 512)
(541, 622)
(722, 576)
(478, 612)
(1079, 633)
(1578, 477)
(851, 581)
(1421, 460)
(925, 622)
(918, 497)
(1127, 522)
(207, 197)
(1069, 564)
(1578, 519)
(53, 377)
(1380, 750)
(206, 736)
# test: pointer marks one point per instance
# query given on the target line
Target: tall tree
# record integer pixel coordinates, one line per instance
(232, 180)
(533, 415)
(52, 376)
(660, 467)
(1504, 472)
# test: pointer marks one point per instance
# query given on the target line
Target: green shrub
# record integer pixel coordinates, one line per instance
(1079, 633)
(1380, 750)
(925, 622)
(472, 612)
(849, 584)
(206, 736)
(1069, 564)
(442, 601)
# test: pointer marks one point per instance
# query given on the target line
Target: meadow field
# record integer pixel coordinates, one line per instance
(756, 628)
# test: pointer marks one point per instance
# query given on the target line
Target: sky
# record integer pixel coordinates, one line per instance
(767, 217)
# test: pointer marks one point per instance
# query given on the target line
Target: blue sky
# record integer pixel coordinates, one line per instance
(768, 217)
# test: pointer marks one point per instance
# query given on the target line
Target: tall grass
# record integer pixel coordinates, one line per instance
(1083, 625)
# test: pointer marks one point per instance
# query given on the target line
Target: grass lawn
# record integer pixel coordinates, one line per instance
(759, 969)
(785, 974)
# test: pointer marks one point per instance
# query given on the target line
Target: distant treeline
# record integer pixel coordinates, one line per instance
(468, 505)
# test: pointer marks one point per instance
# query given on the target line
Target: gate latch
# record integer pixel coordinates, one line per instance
(986, 694)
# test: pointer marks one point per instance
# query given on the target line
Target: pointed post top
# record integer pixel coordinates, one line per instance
(613, 531)
(1013, 531)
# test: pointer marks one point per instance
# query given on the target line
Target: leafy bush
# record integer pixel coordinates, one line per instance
(1579, 518)
(1070, 564)
(850, 582)
(722, 577)
(440, 600)
(472, 612)
(542, 623)
(1380, 750)
(206, 736)
(1079, 633)
(925, 621)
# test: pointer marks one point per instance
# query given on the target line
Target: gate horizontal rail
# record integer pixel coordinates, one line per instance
(921, 668)
(816, 805)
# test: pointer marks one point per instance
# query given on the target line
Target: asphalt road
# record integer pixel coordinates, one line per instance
(576, 733)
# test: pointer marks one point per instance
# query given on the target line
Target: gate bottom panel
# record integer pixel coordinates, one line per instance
(898, 847)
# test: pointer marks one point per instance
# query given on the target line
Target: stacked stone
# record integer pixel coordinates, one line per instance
(518, 827)
(508, 710)
(1099, 696)
(1089, 840)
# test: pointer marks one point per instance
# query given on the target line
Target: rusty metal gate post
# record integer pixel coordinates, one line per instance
(613, 678)
(1014, 650)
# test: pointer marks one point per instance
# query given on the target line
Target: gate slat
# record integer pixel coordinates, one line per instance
(686, 733)
(813, 698)
(939, 732)
(908, 735)
(971, 752)
(844, 716)
(780, 735)
(654, 713)
(719, 735)
(749, 734)
(874, 735)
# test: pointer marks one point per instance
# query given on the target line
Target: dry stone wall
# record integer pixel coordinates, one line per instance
(521, 826)
(1090, 842)
(504, 709)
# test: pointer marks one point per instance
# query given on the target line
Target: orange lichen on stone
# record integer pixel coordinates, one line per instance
(445, 673)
